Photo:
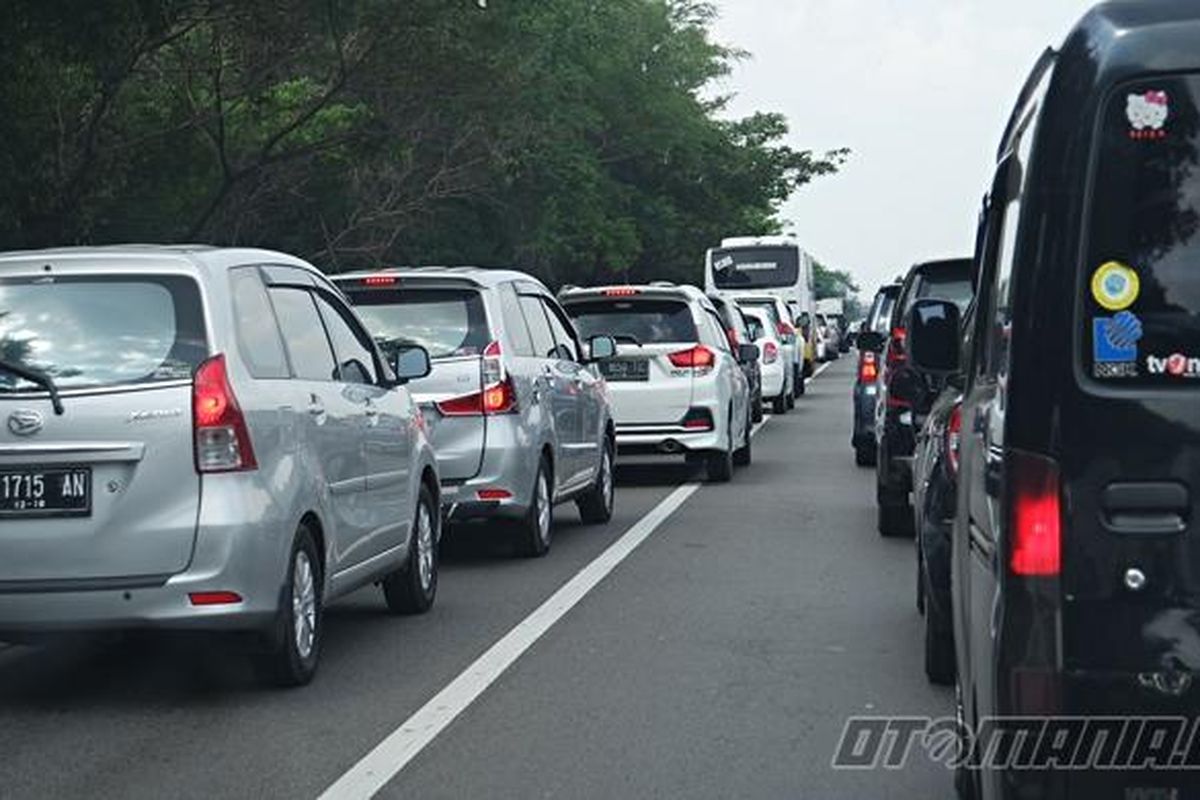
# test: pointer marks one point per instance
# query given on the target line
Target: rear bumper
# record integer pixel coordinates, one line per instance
(666, 440)
(774, 380)
(510, 462)
(230, 555)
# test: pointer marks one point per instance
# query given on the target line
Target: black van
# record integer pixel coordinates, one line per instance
(1076, 566)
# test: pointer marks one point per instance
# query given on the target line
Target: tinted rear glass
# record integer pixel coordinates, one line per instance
(946, 285)
(881, 311)
(755, 267)
(767, 306)
(1140, 282)
(446, 322)
(640, 321)
(80, 330)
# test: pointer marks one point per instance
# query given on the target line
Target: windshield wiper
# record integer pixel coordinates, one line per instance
(40, 378)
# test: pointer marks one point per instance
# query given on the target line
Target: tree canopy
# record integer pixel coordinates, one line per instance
(574, 138)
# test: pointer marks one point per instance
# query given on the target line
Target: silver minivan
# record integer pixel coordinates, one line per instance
(203, 438)
(517, 411)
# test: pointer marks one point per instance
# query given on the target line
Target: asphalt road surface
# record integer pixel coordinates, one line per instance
(720, 658)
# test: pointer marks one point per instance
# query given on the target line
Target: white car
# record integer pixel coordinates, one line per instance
(770, 359)
(791, 342)
(676, 382)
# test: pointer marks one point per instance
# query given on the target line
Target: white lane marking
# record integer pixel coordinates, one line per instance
(366, 778)
(817, 372)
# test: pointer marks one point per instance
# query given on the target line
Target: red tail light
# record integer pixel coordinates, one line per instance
(770, 353)
(732, 336)
(1036, 515)
(379, 280)
(222, 440)
(868, 367)
(953, 438)
(785, 329)
(895, 351)
(497, 397)
(698, 357)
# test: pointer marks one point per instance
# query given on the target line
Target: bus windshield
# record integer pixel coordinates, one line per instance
(755, 267)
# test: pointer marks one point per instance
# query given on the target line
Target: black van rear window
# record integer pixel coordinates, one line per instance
(1141, 278)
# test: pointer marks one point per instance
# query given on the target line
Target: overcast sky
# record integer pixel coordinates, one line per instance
(920, 90)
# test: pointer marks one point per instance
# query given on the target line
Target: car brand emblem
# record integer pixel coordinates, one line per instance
(25, 422)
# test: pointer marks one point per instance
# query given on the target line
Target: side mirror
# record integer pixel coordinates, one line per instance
(411, 363)
(601, 347)
(747, 353)
(933, 337)
(870, 340)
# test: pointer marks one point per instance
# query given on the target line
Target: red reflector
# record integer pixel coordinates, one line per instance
(621, 291)
(494, 494)
(697, 424)
(698, 419)
(1036, 515)
(953, 438)
(379, 280)
(214, 598)
(699, 357)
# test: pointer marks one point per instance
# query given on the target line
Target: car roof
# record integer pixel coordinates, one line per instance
(187, 257)
(659, 289)
(486, 277)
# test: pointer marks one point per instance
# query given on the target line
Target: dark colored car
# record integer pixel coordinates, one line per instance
(897, 417)
(738, 332)
(1076, 554)
(935, 476)
(870, 339)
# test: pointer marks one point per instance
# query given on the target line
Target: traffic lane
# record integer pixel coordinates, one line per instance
(152, 715)
(724, 656)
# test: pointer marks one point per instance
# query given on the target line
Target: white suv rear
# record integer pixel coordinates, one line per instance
(676, 383)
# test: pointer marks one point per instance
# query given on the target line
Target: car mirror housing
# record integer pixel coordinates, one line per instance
(411, 363)
(601, 347)
(747, 353)
(934, 337)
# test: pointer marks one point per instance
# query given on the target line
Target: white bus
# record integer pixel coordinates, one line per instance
(768, 265)
(762, 265)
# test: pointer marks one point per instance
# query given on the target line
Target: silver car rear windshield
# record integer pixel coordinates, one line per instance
(89, 332)
(448, 323)
(638, 321)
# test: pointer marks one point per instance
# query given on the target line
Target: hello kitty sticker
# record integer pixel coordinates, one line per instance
(1147, 113)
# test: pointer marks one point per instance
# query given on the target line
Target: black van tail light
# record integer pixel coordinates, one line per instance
(895, 352)
(868, 367)
(498, 395)
(1036, 515)
(953, 437)
(222, 440)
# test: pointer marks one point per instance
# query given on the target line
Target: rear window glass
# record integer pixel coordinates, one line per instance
(636, 321)
(881, 312)
(755, 267)
(446, 322)
(767, 306)
(80, 330)
(1140, 282)
(942, 286)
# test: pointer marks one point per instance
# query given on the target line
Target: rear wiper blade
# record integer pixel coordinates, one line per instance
(38, 377)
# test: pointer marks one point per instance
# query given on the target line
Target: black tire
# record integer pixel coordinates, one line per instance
(744, 455)
(413, 588)
(596, 507)
(864, 456)
(756, 413)
(719, 463)
(800, 386)
(287, 663)
(535, 532)
(939, 646)
(791, 401)
(779, 405)
(895, 520)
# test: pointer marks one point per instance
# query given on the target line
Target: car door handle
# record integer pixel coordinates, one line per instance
(315, 406)
(371, 410)
(1150, 508)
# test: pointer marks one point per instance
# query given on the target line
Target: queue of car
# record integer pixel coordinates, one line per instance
(259, 439)
(1036, 409)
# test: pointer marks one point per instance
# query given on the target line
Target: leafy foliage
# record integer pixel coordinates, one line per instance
(569, 137)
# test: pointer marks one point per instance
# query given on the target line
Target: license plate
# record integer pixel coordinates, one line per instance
(625, 370)
(46, 492)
